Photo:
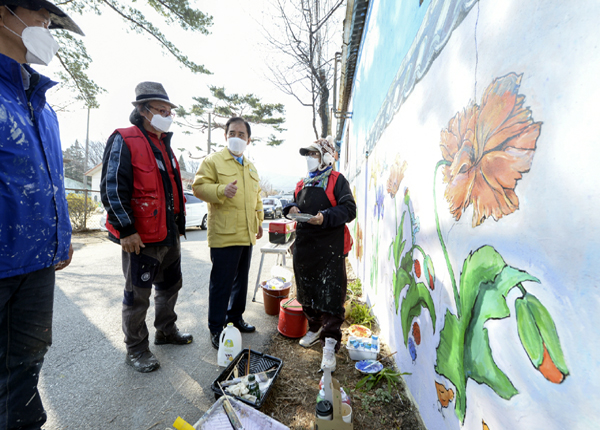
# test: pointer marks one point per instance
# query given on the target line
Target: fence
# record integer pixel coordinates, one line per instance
(85, 209)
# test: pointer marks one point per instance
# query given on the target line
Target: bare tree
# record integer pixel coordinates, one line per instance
(302, 34)
(193, 165)
(266, 187)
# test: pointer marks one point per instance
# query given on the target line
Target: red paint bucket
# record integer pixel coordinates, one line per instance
(292, 322)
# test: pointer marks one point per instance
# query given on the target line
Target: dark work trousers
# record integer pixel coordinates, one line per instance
(25, 335)
(331, 324)
(228, 285)
(154, 265)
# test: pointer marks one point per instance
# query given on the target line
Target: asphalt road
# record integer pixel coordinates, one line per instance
(85, 383)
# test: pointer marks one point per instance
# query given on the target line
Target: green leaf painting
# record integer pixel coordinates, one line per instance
(540, 339)
(417, 298)
(418, 295)
(464, 351)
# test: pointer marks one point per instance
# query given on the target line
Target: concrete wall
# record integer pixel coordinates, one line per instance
(472, 156)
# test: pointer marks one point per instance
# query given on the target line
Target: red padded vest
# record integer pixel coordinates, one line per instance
(148, 194)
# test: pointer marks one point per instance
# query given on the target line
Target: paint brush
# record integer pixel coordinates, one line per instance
(248, 363)
(389, 355)
(230, 412)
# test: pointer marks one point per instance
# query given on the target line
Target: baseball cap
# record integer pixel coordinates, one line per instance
(311, 147)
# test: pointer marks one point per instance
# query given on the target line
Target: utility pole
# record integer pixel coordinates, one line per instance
(87, 146)
(85, 192)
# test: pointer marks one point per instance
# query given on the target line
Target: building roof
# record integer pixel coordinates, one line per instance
(97, 168)
(354, 26)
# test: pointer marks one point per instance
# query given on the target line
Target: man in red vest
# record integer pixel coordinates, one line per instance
(142, 193)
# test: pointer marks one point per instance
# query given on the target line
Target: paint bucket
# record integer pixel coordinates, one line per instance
(292, 322)
(272, 298)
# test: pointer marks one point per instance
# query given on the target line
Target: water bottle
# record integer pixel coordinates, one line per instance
(375, 342)
(230, 345)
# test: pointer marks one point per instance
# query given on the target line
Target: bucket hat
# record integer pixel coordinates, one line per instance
(58, 18)
(149, 91)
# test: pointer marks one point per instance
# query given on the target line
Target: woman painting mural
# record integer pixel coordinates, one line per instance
(319, 255)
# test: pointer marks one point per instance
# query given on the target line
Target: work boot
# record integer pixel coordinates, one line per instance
(176, 338)
(310, 338)
(243, 326)
(143, 362)
(328, 361)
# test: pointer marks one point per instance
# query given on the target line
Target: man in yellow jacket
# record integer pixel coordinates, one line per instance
(229, 183)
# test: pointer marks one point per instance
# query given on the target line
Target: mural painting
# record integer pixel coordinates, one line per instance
(481, 264)
(486, 148)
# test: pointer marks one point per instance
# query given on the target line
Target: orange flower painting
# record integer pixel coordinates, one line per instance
(396, 176)
(445, 395)
(359, 242)
(488, 149)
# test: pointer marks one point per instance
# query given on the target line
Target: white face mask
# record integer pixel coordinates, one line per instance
(312, 163)
(41, 46)
(161, 123)
(236, 145)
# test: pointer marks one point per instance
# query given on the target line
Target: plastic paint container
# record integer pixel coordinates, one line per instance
(325, 410)
(230, 345)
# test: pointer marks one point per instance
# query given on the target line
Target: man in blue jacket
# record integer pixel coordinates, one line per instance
(35, 230)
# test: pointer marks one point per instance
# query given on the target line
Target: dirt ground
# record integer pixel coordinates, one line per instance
(292, 399)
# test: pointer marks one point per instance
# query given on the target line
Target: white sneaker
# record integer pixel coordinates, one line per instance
(328, 361)
(310, 338)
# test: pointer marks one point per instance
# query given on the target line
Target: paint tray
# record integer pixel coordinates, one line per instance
(259, 362)
(216, 419)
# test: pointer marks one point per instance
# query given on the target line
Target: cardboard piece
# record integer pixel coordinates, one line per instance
(333, 388)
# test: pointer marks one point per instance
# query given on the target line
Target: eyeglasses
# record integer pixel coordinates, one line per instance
(163, 112)
(313, 154)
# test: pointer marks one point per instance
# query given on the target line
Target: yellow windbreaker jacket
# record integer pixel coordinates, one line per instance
(231, 222)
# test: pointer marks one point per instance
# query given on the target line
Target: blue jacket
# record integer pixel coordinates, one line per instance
(35, 230)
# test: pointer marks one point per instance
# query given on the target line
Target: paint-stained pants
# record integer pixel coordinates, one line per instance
(159, 266)
(331, 324)
(26, 303)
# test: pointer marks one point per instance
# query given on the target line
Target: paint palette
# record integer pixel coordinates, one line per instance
(359, 331)
(300, 217)
(369, 366)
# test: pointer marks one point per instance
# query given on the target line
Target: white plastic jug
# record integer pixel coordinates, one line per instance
(230, 345)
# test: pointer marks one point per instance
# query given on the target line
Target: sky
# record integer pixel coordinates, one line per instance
(234, 52)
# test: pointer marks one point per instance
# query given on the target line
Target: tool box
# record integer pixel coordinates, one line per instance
(282, 231)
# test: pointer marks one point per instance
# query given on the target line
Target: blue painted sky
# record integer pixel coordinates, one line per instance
(397, 22)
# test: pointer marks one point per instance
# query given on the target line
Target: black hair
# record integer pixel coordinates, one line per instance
(136, 117)
(237, 119)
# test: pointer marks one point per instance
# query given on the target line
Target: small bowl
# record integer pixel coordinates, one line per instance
(369, 366)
